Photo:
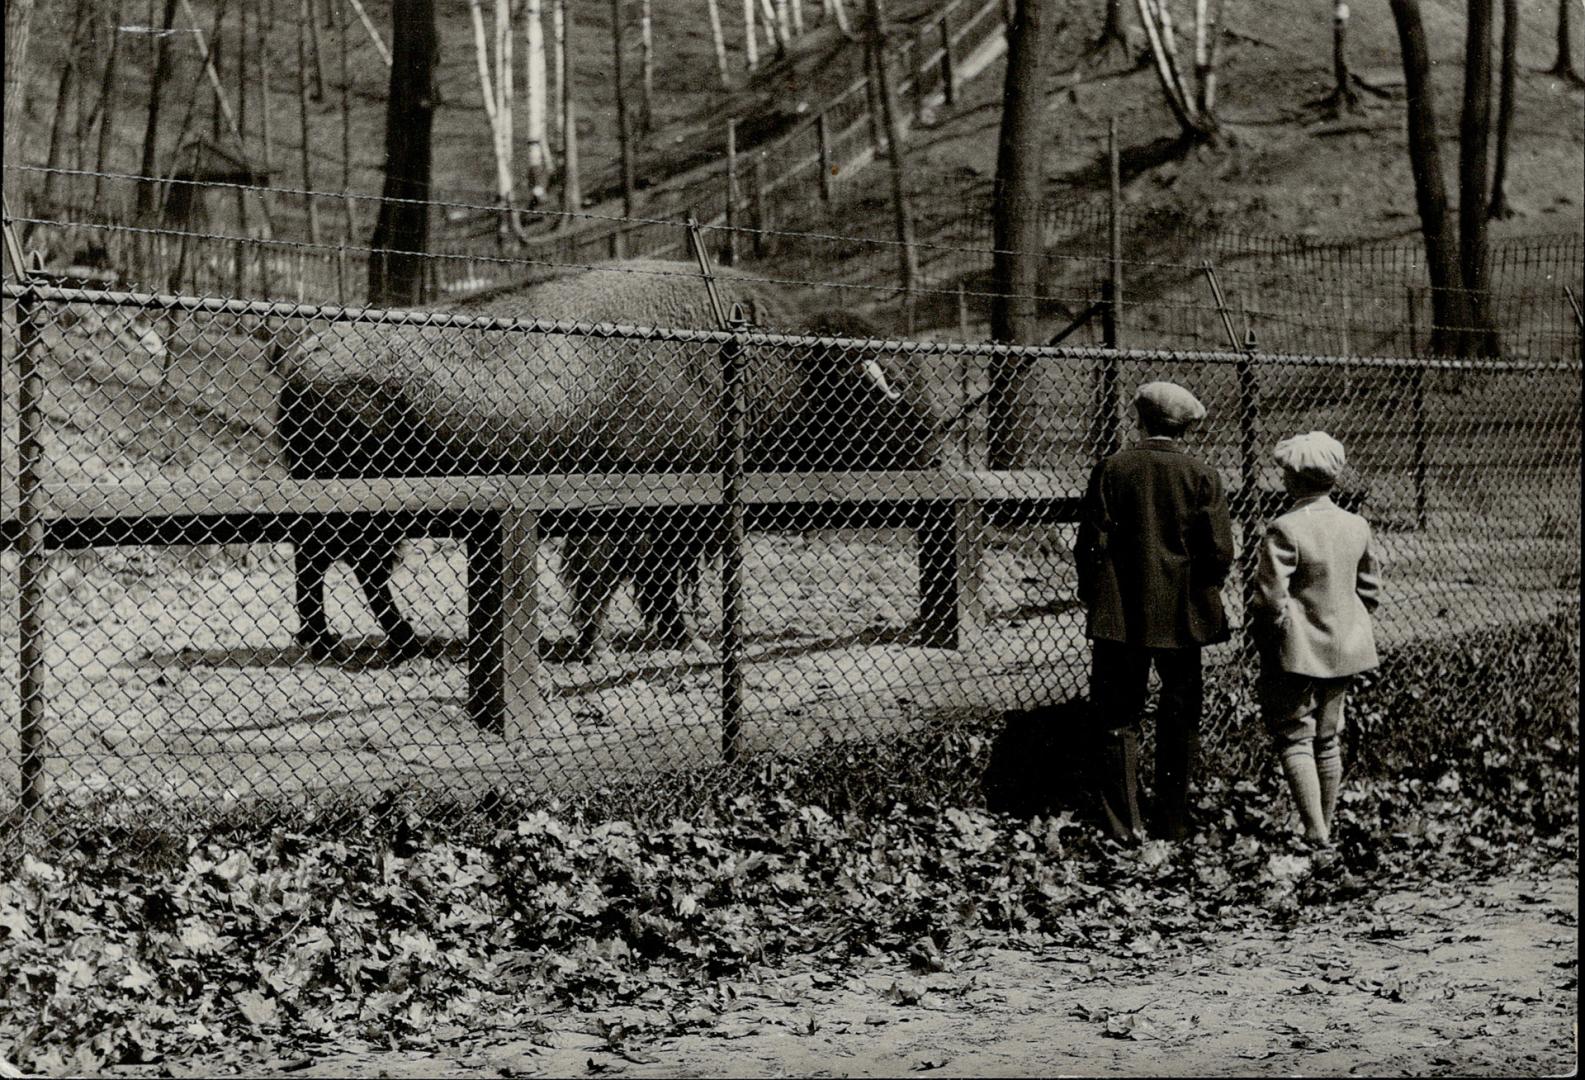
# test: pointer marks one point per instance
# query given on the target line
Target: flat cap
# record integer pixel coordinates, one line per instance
(1314, 456)
(1168, 402)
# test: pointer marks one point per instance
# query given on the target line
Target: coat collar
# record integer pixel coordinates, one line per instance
(1323, 501)
(1161, 442)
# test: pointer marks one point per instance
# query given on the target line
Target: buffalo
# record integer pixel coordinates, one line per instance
(358, 400)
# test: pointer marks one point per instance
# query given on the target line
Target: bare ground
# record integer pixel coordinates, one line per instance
(1454, 979)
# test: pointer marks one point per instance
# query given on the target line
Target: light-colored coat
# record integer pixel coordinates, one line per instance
(1316, 586)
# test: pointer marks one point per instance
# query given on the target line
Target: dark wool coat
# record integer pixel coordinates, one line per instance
(1155, 545)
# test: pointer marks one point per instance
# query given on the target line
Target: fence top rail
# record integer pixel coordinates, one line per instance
(400, 317)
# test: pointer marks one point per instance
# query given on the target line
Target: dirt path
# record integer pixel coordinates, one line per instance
(1453, 980)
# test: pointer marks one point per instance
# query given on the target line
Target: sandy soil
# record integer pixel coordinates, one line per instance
(1452, 980)
(178, 677)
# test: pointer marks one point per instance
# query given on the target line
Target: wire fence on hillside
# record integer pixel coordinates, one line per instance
(1293, 294)
(630, 553)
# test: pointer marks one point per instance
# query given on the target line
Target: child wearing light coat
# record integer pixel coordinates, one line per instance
(1316, 585)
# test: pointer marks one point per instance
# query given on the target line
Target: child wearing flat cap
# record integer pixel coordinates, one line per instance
(1316, 585)
(1155, 544)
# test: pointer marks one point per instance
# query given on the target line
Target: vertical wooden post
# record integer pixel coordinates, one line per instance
(965, 439)
(949, 89)
(761, 241)
(729, 256)
(948, 569)
(503, 625)
(907, 257)
(823, 137)
(623, 126)
(732, 431)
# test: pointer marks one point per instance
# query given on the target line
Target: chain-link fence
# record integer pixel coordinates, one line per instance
(259, 550)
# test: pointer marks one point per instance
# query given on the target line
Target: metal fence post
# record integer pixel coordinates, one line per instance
(1421, 514)
(31, 565)
(729, 255)
(732, 430)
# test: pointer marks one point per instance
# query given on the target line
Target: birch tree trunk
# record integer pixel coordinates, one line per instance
(719, 41)
(646, 118)
(490, 90)
(558, 63)
(840, 12)
(571, 190)
(534, 94)
(750, 46)
(1193, 102)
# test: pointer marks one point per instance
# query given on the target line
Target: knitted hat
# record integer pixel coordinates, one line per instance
(1314, 456)
(1168, 403)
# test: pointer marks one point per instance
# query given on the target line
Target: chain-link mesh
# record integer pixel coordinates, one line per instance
(280, 550)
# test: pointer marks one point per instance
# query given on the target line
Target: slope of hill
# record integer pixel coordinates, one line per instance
(1281, 168)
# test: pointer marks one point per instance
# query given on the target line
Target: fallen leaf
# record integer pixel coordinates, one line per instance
(930, 1063)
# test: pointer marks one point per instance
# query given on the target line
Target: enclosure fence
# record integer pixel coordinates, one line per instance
(1293, 294)
(628, 550)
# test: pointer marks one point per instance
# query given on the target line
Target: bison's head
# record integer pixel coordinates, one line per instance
(858, 408)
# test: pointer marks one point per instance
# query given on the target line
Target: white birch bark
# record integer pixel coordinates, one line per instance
(750, 45)
(719, 39)
(492, 109)
(646, 36)
(535, 99)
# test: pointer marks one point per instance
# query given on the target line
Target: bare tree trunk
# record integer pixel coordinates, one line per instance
(319, 63)
(750, 46)
(109, 100)
(1344, 98)
(1505, 104)
(623, 126)
(1473, 178)
(1015, 271)
(64, 90)
(1113, 32)
(646, 37)
(719, 40)
(1425, 162)
(539, 159)
(840, 12)
(401, 234)
(1192, 106)
(907, 256)
(266, 139)
(305, 17)
(571, 191)
(19, 14)
(796, 8)
(151, 131)
(773, 33)
(558, 31)
(346, 128)
(1562, 67)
